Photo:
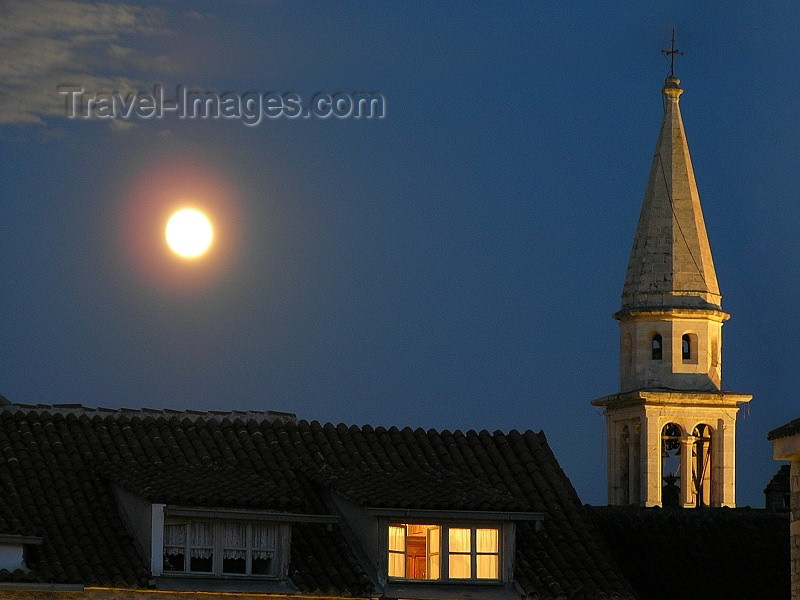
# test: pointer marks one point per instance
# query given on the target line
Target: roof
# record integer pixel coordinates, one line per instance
(58, 466)
(420, 489)
(791, 428)
(724, 553)
(670, 264)
(779, 481)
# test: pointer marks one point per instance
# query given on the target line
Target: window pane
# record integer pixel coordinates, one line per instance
(175, 547)
(459, 566)
(234, 540)
(397, 564)
(397, 538)
(434, 572)
(488, 566)
(262, 563)
(486, 540)
(174, 559)
(264, 541)
(201, 564)
(201, 547)
(175, 535)
(434, 539)
(234, 565)
(459, 540)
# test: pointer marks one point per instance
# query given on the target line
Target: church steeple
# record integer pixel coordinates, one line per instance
(670, 264)
(671, 305)
(671, 428)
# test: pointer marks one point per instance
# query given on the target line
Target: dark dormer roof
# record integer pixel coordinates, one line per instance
(59, 466)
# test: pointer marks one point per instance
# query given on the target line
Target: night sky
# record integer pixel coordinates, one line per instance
(453, 265)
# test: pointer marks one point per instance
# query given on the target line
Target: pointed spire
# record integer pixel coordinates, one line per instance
(670, 264)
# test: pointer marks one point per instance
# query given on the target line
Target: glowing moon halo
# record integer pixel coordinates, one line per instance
(189, 233)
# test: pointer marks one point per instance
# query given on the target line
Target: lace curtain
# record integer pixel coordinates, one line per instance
(234, 540)
(174, 539)
(264, 540)
(202, 540)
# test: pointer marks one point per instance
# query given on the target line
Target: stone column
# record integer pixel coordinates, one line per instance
(687, 485)
(651, 459)
(635, 475)
(728, 465)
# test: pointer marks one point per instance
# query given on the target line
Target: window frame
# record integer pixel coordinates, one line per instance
(445, 552)
(219, 546)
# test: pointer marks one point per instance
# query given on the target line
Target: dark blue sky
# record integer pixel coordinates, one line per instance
(452, 265)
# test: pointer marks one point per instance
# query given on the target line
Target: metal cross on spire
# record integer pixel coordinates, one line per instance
(671, 53)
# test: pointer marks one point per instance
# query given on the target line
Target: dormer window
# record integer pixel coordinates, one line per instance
(220, 548)
(656, 345)
(437, 552)
(14, 551)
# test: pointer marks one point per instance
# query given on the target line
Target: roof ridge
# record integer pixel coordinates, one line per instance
(79, 409)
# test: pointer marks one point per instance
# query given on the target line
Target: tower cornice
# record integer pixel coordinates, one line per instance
(711, 314)
(673, 398)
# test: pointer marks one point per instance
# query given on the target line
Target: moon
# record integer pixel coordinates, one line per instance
(189, 233)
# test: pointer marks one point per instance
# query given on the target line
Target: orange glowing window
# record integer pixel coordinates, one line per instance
(435, 552)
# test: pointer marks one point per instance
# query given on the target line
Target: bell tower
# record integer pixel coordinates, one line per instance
(671, 428)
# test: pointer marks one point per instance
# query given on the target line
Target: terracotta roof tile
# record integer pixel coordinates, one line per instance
(58, 464)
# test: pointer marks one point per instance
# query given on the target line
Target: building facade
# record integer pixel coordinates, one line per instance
(786, 446)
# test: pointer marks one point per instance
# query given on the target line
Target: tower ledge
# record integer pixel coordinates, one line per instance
(711, 313)
(673, 398)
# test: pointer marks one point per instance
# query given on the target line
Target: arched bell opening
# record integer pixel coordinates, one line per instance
(656, 347)
(671, 435)
(702, 464)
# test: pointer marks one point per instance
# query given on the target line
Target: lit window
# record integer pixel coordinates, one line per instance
(460, 554)
(220, 548)
(657, 352)
(487, 553)
(415, 552)
(397, 551)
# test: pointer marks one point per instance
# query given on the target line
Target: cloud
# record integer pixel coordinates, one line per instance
(52, 43)
(120, 126)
